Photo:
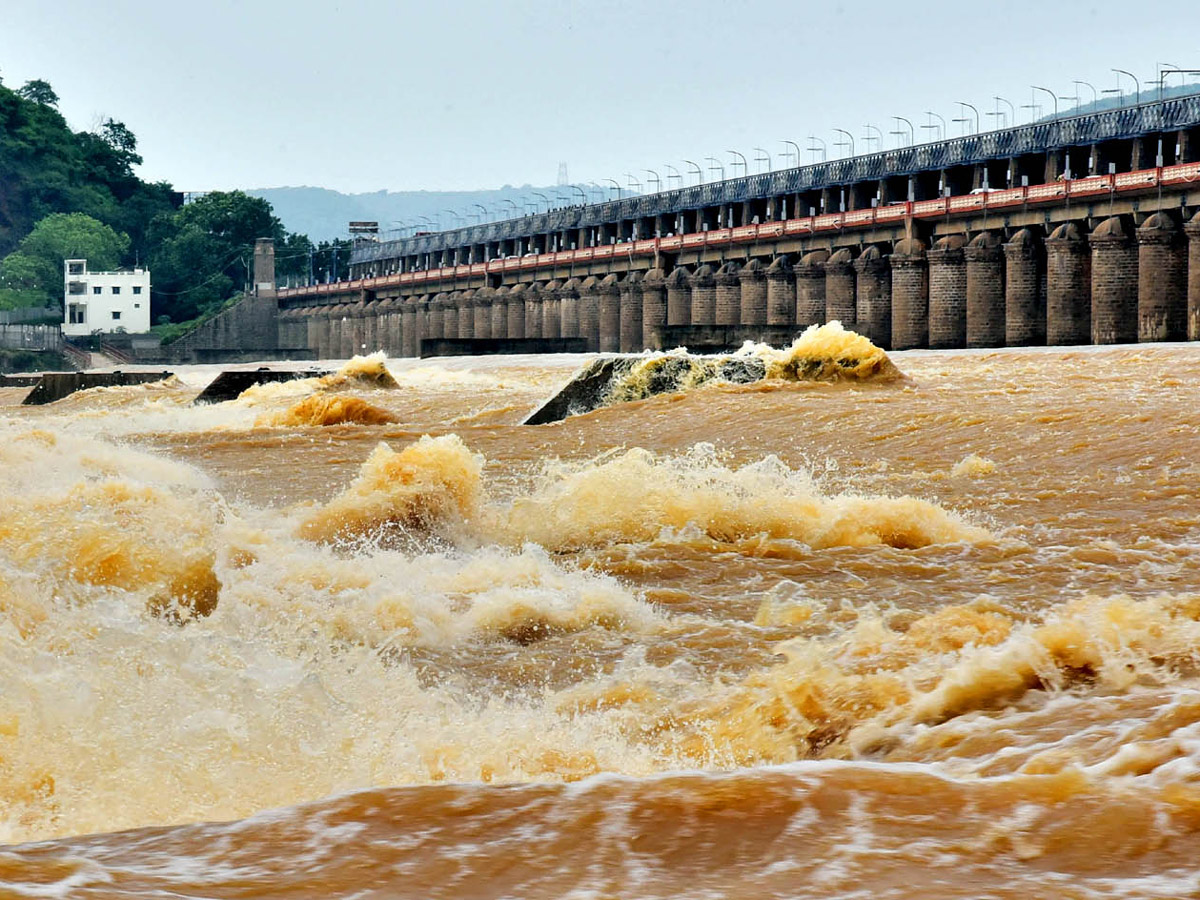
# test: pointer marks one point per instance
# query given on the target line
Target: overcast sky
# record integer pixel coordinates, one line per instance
(443, 94)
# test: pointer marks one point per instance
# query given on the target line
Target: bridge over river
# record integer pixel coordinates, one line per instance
(1081, 229)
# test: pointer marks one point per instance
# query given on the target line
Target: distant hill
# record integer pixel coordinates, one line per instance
(323, 214)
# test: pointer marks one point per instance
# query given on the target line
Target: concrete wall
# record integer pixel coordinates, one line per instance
(31, 337)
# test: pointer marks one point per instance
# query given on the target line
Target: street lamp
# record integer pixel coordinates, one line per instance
(763, 156)
(941, 128)
(1095, 95)
(582, 192)
(813, 150)
(656, 181)
(614, 184)
(1137, 90)
(1012, 110)
(1053, 96)
(900, 133)
(699, 171)
(716, 166)
(848, 142)
(795, 147)
(482, 207)
(966, 105)
(1176, 70)
(632, 181)
(544, 197)
(672, 172)
(745, 168)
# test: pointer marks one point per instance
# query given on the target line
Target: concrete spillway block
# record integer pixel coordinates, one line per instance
(615, 379)
(229, 385)
(15, 381)
(56, 385)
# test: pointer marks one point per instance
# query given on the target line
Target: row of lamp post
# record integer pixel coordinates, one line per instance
(969, 119)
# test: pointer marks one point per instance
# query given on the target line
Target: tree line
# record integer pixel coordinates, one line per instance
(74, 194)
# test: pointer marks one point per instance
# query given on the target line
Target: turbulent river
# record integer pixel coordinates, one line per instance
(928, 635)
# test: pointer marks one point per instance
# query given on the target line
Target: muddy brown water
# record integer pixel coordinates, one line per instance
(935, 637)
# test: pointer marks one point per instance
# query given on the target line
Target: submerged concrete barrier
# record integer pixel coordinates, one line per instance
(56, 385)
(614, 379)
(229, 385)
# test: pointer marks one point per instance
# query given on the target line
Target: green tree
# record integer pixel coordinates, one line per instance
(40, 92)
(47, 168)
(203, 253)
(33, 274)
(23, 281)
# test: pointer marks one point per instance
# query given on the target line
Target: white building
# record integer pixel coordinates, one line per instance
(104, 301)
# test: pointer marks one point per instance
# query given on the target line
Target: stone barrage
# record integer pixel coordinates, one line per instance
(1123, 280)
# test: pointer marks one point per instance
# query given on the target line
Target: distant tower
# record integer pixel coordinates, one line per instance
(563, 180)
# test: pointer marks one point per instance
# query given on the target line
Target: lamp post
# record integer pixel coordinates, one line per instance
(795, 149)
(699, 171)
(969, 106)
(510, 203)
(656, 181)
(1137, 89)
(716, 165)
(482, 207)
(941, 128)
(544, 197)
(1053, 97)
(631, 181)
(763, 156)
(582, 192)
(745, 168)
(616, 185)
(869, 137)
(848, 142)
(813, 150)
(1012, 110)
(900, 133)
(672, 172)
(1095, 95)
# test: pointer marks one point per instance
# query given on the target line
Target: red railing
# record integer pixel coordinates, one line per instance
(862, 218)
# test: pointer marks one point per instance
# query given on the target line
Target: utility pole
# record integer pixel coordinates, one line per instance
(335, 255)
(310, 265)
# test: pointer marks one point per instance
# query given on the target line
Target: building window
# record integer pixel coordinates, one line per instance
(76, 287)
(116, 314)
(77, 313)
(137, 306)
(116, 290)
(96, 290)
(75, 268)
(137, 288)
